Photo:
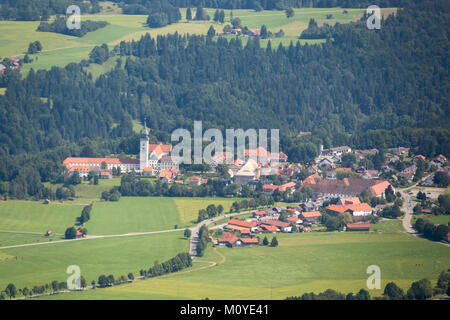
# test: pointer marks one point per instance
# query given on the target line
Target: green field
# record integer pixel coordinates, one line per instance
(133, 214)
(142, 214)
(188, 207)
(10, 238)
(86, 192)
(441, 219)
(301, 263)
(33, 216)
(59, 50)
(36, 265)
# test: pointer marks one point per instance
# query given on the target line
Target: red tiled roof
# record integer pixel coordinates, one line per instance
(311, 214)
(241, 223)
(71, 160)
(293, 219)
(336, 208)
(250, 240)
(269, 228)
(346, 201)
(166, 148)
(228, 237)
(358, 207)
(237, 228)
(260, 213)
(277, 223)
(358, 225)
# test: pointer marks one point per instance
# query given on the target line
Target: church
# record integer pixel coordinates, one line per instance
(153, 160)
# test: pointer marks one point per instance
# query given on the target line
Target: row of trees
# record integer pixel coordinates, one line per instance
(430, 230)
(419, 290)
(203, 240)
(210, 212)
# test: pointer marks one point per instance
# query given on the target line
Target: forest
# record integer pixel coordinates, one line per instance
(59, 26)
(365, 88)
(33, 10)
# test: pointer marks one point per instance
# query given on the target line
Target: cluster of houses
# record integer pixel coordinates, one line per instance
(268, 221)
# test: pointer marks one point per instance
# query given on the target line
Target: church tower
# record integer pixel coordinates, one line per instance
(143, 157)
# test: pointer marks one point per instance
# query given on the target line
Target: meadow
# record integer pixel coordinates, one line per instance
(441, 219)
(301, 263)
(59, 49)
(31, 216)
(36, 265)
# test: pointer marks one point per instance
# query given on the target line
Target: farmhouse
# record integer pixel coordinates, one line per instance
(337, 151)
(230, 240)
(358, 227)
(283, 226)
(310, 216)
(346, 188)
(356, 210)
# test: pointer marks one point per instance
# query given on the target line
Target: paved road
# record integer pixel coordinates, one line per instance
(408, 207)
(132, 234)
(196, 229)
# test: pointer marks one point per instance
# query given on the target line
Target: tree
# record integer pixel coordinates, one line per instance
(11, 290)
(54, 285)
(274, 242)
(34, 47)
(188, 14)
(187, 233)
(211, 32)
(420, 290)
(443, 282)
(393, 292)
(83, 282)
(219, 209)
(442, 179)
(216, 15)
(236, 22)
(130, 276)
(264, 33)
(71, 233)
(265, 241)
(289, 13)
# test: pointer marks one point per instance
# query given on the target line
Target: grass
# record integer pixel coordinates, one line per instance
(9, 239)
(36, 265)
(32, 216)
(133, 214)
(441, 219)
(188, 207)
(86, 192)
(59, 49)
(301, 263)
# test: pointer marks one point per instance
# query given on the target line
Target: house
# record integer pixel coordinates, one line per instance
(358, 226)
(346, 201)
(333, 173)
(356, 210)
(347, 187)
(337, 151)
(79, 234)
(310, 216)
(250, 171)
(230, 240)
(250, 241)
(371, 174)
(166, 176)
(49, 233)
(260, 214)
(195, 181)
(448, 237)
(231, 227)
(255, 32)
(294, 220)
(125, 165)
(83, 171)
(313, 169)
(268, 228)
(283, 226)
(359, 209)
(106, 174)
(148, 171)
(334, 209)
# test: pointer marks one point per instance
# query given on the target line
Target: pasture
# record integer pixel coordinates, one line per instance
(30, 216)
(301, 263)
(59, 49)
(37, 265)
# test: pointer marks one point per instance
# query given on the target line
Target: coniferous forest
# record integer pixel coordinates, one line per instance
(365, 88)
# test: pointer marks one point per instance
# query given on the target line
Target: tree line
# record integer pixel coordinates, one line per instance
(59, 25)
